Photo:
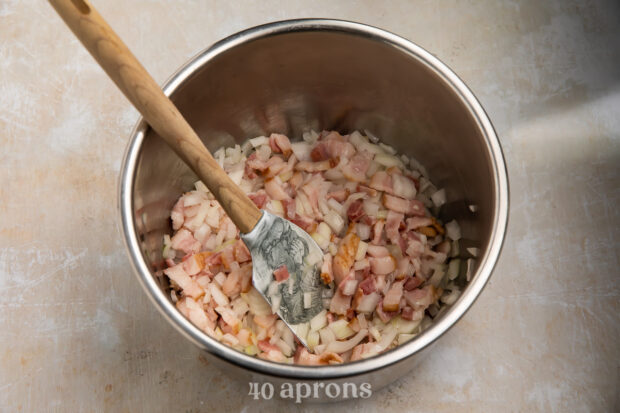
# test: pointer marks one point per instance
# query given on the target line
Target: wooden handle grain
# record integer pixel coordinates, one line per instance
(160, 113)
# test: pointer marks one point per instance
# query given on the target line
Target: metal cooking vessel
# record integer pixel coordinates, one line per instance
(297, 75)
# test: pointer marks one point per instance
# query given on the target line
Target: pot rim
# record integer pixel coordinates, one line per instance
(459, 308)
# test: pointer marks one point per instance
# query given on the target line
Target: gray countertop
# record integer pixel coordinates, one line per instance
(78, 333)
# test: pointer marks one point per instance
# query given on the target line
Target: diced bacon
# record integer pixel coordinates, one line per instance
(313, 167)
(281, 143)
(177, 215)
(194, 264)
(188, 285)
(343, 261)
(184, 241)
(404, 206)
(413, 283)
(296, 180)
(414, 223)
(319, 153)
(340, 303)
(246, 278)
(259, 198)
(275, 166)
(326, 269)
(232, 284)
(256, 164)
(265, 321)
(404, 268)
(248, 172)
(381, 181)
(338, 148)
(410, 314)
(305, 358)
(329, 357)
(281, 274)
(382, 265)
(355, 210)
(357, 166)
(289, 206)
(367, 190)
(392, 225)
(368, 285)
(266, 346)
(385, 316)
(403, 186)
(421, 297)
(415, 248)
(377, 231)
(275, 190)
(339, 195)
(391, 301)
(348, 286)
(366, 303)
(305, 223)
(377, 251)
(241, 252)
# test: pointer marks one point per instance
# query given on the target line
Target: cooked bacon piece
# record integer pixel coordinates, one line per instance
(382, 265)
(368, 285)
(184, 241)
(313, 167)
(357, 166)
(422, 297)
(377, 231)
(413, 283)
(355, 210)
(343, 261)
(377, 251)
(385, 316)
(177, 215)
(381, 181)
(259, 198)
(280, 144)
(414, 223)
(275, 190)
(241, 252)
(404, 206)
(391, 301)
(188, 285)
(339, 195)
(326, 269)
(392, 226)
(403, 186)
(281, 274)
(340, 303)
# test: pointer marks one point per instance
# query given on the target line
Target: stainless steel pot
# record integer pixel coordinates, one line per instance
(297, 75)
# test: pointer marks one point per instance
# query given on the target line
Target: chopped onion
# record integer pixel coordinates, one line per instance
(327, 335)
(371, 207)
(261, 140)
(217, 295)
(388, 160)
(301, 150)
(453, 230)
(439, 197)
(318, 321)
(342, 346)
(451, 297)
(363, 231)
(403, 338)
(454, 267)
(368, 303)
(334, 220)
(336, 206)
(362, 247)
(341, 329)
(275, 303)
(312, 339)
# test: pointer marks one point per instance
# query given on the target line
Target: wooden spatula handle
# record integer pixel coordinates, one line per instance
(160, 113)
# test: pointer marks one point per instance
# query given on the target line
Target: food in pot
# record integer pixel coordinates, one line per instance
(387, 258)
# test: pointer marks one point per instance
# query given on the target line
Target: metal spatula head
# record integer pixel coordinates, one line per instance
(279, 245)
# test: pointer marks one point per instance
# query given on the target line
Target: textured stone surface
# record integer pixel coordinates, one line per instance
(77, 332)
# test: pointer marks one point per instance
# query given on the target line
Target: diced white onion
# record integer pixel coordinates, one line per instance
(453, 230)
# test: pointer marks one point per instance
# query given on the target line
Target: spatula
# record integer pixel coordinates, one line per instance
(274, 242)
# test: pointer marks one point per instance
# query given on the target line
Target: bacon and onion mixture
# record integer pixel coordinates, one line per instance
(387, 259)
